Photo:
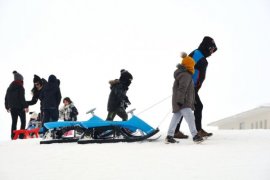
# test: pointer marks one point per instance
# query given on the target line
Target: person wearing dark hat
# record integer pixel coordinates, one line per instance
(15, 102)
(38, 86)
(50, 98)
(205, 50)
(118, 100)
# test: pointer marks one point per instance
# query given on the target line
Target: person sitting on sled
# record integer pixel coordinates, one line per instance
(183, 99)
(118, 100)
(68, 112)
(34, 121)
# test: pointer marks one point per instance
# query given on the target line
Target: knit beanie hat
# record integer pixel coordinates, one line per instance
(37, 79)
(125, 77)
(17, 76)
(188, 62)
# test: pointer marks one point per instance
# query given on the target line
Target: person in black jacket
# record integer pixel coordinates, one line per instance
(205, 50)
(15, 102)
(36, 90)
(50, 98)
(118, 100)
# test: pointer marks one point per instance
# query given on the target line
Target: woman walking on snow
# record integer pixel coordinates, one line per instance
(15, 102)
(183, 99)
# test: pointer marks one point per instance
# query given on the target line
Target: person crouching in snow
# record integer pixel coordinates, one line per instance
(183, 99)
(68, 112)
(118, 100)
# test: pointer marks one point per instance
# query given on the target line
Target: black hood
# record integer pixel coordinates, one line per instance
(125, 77)
(206, 45)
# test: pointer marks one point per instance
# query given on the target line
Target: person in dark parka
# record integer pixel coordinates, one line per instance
(205, 50)
(118, 100)
(50, 98)
(39, 84)
(15, 102)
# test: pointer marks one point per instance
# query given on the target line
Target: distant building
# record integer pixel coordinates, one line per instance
(258, 118)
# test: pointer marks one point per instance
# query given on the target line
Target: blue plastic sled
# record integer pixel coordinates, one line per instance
(134, 129)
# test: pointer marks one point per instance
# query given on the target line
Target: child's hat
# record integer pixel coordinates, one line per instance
(188, 62)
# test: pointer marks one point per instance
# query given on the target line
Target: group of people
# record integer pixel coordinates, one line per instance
(49, 94)
(189, 77)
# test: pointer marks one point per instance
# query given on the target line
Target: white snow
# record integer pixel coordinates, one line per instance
(228, 155)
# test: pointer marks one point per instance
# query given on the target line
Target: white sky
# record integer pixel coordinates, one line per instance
(86, 43)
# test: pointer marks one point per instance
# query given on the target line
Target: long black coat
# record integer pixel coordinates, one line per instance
(15, 96)
(50, 96)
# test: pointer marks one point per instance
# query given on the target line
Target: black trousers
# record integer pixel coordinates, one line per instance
(15, 113)
(119, 112)
(50, 115)
(198, 111)
(197, 114)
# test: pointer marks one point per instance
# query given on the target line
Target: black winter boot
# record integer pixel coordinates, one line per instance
(170, 139)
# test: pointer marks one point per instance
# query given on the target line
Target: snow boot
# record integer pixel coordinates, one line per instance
(203, 133)
(197, 139)
(180, 135)
(169, 139)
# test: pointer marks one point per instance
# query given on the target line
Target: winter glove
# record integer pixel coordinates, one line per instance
(127, 101)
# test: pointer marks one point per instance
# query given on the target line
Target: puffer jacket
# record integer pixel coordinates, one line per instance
(183, 89)
(117, 97)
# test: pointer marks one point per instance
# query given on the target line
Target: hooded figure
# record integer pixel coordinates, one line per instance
(15, 102)
(50, 98)
(125, 78)
(118, 100)
(206, 48)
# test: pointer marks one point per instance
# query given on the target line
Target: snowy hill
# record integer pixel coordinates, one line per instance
(227, 155)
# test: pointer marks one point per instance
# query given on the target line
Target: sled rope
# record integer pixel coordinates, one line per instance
(157, 103)
(165, 117)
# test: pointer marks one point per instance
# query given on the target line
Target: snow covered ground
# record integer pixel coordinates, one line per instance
(228, 155)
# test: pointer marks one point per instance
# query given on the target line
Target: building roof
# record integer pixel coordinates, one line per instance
(243, 115)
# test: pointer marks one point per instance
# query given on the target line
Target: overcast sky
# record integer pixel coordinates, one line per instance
(86, 43)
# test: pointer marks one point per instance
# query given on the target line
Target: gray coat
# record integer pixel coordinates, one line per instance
(183, 89)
